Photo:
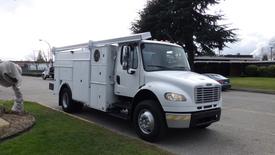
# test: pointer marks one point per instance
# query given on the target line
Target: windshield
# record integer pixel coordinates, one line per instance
(158, 57)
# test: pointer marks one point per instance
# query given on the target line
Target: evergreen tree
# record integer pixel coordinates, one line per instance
(265, 58)
(40, 58)
(186, 23)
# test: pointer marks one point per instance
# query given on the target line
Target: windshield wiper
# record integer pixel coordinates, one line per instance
(180, 67)
(169, 67)
(162, 67)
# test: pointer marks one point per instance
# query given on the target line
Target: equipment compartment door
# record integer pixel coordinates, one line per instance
(81, 81)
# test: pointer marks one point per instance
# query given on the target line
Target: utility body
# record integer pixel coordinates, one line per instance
(147, 82)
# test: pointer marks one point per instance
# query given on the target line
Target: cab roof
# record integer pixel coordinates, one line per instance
(160, 42)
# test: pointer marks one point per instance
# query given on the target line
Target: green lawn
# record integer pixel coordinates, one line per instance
(56, 133)
(260, 83)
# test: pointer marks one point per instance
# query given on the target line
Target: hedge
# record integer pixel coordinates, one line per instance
(251, 70)
(271, 70)
(262, 71)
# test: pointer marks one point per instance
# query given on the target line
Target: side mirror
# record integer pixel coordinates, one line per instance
(131, 71)
(124, 65)
(128, 60)
(125, 57)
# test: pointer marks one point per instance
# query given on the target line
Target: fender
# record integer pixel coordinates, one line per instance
(159, 88)
(58, 84)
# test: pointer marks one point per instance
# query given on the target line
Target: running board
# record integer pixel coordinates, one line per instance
(119, 115)
(120, 110)
(122, 105)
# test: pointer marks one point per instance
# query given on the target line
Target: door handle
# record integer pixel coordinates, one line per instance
(118, 79)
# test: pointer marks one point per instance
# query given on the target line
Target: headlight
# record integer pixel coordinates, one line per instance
(174, 97)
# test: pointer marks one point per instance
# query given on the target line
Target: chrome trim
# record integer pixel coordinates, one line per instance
(178, 120)
(146, 121)
(207, 94)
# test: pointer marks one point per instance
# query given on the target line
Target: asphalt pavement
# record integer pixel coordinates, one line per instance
(247, 124)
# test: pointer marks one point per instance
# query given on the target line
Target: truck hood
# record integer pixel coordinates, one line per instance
(183, 79)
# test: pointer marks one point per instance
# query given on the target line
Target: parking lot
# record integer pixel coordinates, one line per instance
(247, 123)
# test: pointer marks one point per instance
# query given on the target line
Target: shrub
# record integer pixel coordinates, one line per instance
(251, 70)
(271, 70)
(263, 71)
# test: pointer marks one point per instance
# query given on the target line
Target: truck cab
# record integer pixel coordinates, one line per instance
(147, 82)
(48, 73)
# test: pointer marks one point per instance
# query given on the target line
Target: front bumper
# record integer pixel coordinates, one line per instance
(193, 119)
(226, 86)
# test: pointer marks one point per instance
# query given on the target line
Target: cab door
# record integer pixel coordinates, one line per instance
(127, 72)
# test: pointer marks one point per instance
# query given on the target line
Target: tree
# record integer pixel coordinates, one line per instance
(186, 23)
(40, 58)
(265, 58)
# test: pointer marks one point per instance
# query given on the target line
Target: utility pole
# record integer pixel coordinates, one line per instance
(50, 56)
(271, 53)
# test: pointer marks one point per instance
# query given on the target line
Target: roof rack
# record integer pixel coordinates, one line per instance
(131, 38)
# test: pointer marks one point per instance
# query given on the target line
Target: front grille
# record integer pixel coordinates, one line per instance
(207, 94)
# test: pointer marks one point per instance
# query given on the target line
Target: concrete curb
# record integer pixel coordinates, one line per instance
(93, 123)
(68, 114)
(253, 90)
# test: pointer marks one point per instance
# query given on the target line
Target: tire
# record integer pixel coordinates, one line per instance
(67, 103)
(44, 77)
(149, 111)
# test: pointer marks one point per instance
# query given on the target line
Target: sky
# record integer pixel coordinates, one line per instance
(254, 20)
(65, 22)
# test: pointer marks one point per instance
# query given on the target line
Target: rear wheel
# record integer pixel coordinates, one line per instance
(149, 121)
(67, 103)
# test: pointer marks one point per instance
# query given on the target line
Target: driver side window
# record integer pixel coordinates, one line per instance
(129, 57)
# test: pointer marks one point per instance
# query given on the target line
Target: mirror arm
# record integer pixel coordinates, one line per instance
(131, 71)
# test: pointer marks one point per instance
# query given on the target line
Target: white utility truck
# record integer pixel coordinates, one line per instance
(147, 82)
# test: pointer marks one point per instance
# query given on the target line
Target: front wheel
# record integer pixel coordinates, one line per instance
(149, 121)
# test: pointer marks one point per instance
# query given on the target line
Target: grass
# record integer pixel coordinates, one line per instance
(58, 134)
(258, 83)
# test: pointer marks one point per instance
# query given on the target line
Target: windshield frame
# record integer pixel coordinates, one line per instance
(164, 68)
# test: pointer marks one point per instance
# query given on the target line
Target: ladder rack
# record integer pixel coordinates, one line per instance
(131, 38)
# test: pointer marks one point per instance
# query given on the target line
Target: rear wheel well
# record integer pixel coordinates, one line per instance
(66, 100)
(141, 96)
(61, 89)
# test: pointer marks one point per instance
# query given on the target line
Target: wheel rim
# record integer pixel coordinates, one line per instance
(146, 121)
(65, 100)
